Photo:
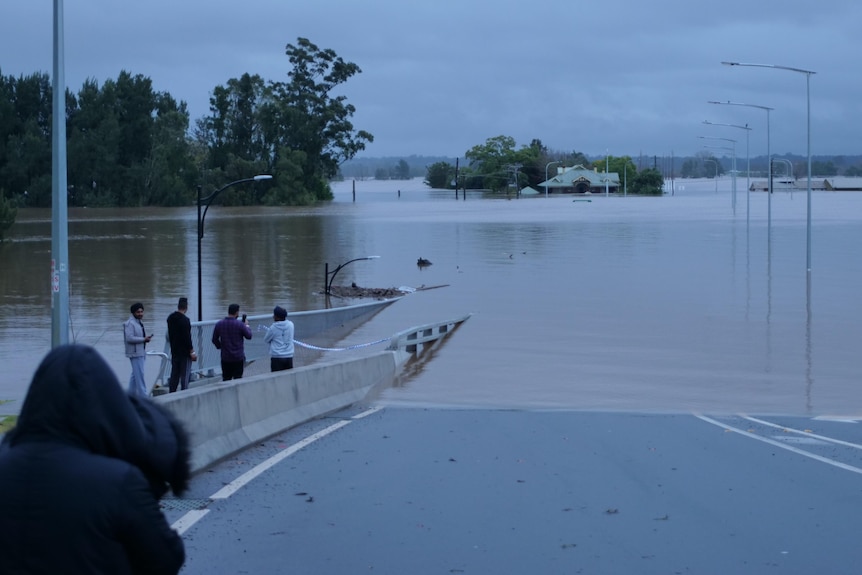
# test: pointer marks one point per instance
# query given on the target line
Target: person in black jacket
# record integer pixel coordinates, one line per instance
(82, 472)
(182, 348)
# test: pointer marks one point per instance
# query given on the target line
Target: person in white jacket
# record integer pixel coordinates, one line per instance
(279, 336)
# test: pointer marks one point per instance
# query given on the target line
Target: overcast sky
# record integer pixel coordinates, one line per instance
(626, 77)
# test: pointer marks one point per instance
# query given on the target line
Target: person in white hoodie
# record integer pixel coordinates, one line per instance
(279, 336)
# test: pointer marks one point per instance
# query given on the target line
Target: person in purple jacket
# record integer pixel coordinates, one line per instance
(228, 336)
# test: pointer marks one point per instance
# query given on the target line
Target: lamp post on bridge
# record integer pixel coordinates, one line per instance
(808, 74)
(207, 201)
(748, 164)
(327, 281)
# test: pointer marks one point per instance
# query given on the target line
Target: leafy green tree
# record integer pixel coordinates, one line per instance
(853, 171)
(401, 171)
(25, 129)
(615, 165)
(648, 182)
(439, 175)
(8, 212)
(823, 169)
(492, 160)
(307, 116)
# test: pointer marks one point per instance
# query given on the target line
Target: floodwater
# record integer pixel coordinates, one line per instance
(673, 303)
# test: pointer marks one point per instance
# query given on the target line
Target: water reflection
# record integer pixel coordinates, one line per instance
(621, 303)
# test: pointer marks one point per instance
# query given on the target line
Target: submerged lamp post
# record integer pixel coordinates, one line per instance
(327, 281)
(548, 165)
(768, 157)
(808, 114)
(733, 166)
(747, 160)
(206, 202)
(714, 177)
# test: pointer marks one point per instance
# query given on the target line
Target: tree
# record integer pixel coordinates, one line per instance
(401, 171)
(439, 175)
(381, 174)
(491, 161)
(305, 116)
(853, 171)
(8, 212)
(823, 169)
(648, 182)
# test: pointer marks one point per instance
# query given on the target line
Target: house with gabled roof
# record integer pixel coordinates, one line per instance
(580, 180)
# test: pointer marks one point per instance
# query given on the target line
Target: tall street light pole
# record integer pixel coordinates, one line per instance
(733, 166)
(768, 157)
(748, 164)
(808, 74)
(548, 165)
(59, 199)
(207, 201)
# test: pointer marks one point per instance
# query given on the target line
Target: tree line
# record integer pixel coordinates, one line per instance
(498, 166)
(128, 144)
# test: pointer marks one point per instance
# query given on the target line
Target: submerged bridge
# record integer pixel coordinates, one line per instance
(225, 417)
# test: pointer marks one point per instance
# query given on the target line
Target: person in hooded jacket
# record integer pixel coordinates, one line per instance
(279, 336)
(82, 472)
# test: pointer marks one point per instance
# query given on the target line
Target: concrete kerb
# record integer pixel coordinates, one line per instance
(224, 418)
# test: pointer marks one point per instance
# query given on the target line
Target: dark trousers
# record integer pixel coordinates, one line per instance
(180, 372)
(280, 363)
(231, 369)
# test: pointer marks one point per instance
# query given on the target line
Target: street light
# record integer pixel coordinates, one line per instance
(768, 157)
(548, 165)
(808, 120)
(715, 177)
(207, 201)
(607, 167)
(327, 281)
(59, 199)
(733, 167)
(748, 163)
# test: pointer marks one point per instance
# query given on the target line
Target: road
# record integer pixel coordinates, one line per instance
(433, 491)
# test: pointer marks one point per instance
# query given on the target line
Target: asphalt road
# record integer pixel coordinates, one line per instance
(427, 491)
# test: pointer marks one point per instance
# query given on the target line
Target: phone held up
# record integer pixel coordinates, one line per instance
(244, 317)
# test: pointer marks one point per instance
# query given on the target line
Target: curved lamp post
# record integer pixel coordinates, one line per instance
(808, 112)
(548, 165)
(207, 201)
(327, 281)
(747, 160)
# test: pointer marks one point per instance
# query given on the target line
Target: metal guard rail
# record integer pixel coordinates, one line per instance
(411, 338)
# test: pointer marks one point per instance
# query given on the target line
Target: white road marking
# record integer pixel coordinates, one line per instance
(839, 418)
(805, 433)
(185, 522)
(802, 452)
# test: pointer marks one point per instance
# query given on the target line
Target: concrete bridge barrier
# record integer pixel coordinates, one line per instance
(226, 417)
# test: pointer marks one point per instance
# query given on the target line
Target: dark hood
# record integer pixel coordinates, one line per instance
(76, 399)
(167, 456)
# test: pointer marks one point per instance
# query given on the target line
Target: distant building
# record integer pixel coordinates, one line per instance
(580, 180)
(834, 184)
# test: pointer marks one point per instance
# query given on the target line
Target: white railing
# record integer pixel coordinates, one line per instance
(410, 339)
